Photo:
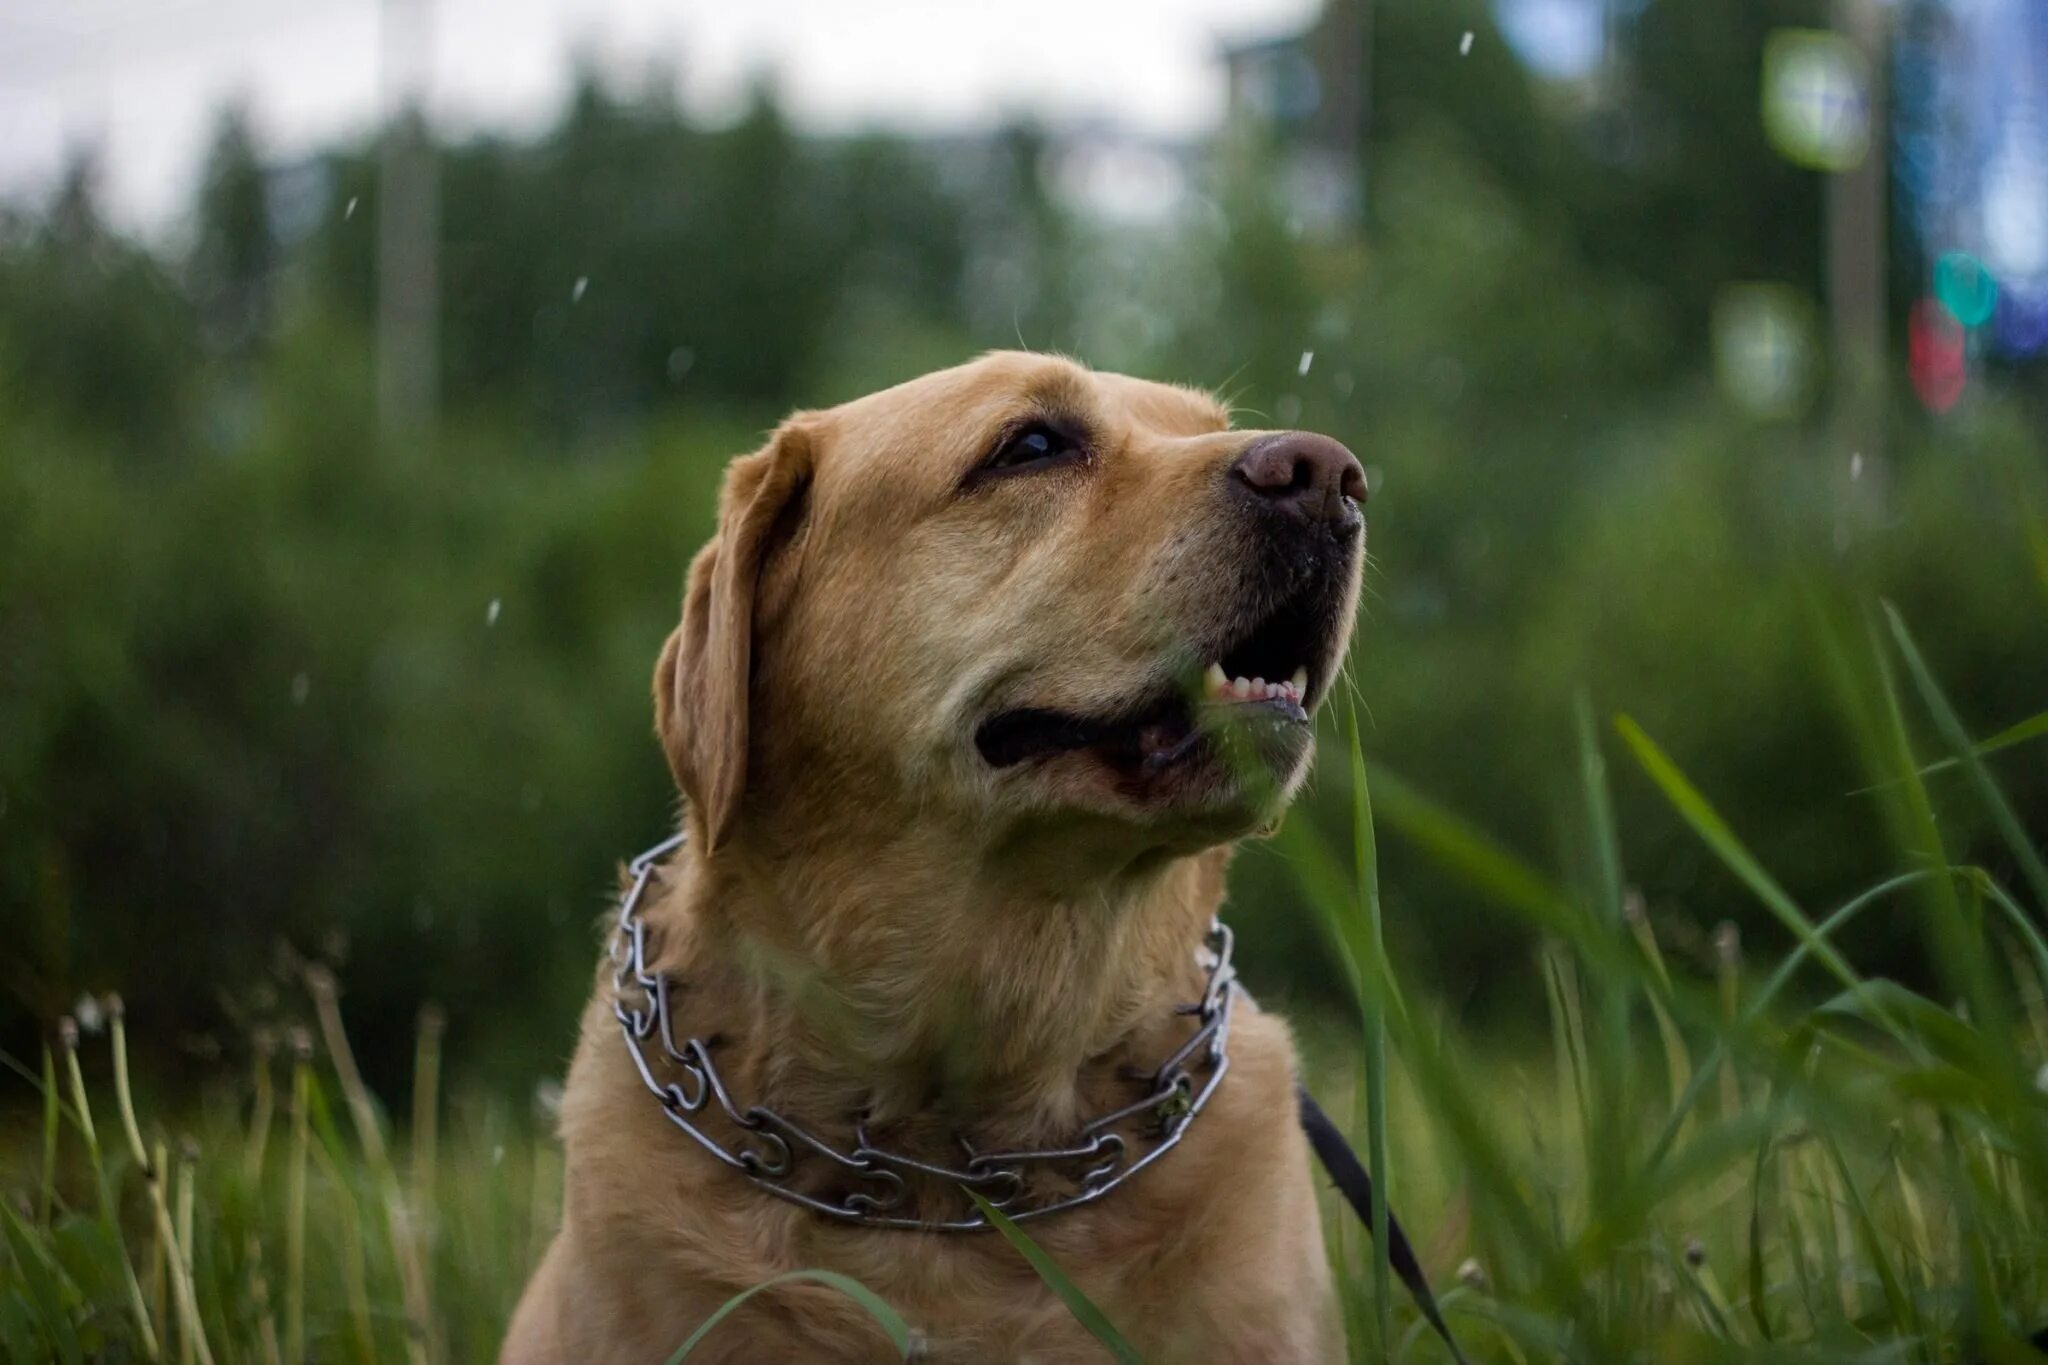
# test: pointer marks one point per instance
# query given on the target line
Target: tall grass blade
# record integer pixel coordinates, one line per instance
(17, 1337)
(1762, 1000)
(261, 1115)
(1079, 1304)
(1759, 1291)
(1955, 930)
(1904, 1316)
(355, 1274)
(46, 1203)
(1954, 935)
(179, 1260)
(1721, 839)
(426, 1122)
(1567, 1039)
(399, 1222)
(1981, 882)
(48, 1293)
(1612, 1063)
(1678, 1068)
(103, 1185)
(187, 1347)
(295, 1203)
(1958, 740)
(2037, 542)
(2033, 727)
(1370, 928)
(890, 1321)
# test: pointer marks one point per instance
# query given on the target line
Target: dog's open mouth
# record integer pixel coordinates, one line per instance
(1265, 682)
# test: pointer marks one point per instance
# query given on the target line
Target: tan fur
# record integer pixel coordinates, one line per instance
(872, 919)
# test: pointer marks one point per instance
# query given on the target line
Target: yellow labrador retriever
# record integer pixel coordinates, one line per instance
(974, 688)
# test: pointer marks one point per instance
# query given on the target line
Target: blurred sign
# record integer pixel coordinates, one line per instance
(1764, 348)
(1936, 355)
(2021, 328)
(1816, 93)
(1965, 288)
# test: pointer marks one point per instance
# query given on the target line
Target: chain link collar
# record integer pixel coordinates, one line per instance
(876, 1189)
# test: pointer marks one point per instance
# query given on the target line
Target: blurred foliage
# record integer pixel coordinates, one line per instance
(277, 688)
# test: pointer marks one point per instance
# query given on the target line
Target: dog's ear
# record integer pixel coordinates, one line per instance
(701, 682)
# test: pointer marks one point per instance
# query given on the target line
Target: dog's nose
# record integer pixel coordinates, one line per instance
(1305, 475)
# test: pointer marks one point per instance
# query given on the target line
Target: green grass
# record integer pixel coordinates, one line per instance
(1685, 1156)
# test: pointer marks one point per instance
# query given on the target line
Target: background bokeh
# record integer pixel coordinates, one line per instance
(345, 494)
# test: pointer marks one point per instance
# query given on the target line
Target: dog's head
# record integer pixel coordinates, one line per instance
(1017, 594)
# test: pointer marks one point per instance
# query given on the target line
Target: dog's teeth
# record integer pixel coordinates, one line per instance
(1258, 687)
(1215, 682)
(1299, 682)
(1241, 688)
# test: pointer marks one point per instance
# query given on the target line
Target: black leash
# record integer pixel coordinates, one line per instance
(1349, 1172)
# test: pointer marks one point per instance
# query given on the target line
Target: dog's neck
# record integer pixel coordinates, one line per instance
(895, 977)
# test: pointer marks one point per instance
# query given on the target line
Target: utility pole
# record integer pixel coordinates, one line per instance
(1856, 209)
(408, 229)
(1347, 72)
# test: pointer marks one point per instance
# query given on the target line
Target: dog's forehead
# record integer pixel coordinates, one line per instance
(934, 418)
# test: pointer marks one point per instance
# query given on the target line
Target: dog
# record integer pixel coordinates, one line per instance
(975, 687)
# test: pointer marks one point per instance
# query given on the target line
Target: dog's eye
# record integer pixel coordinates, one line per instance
(1034, 447)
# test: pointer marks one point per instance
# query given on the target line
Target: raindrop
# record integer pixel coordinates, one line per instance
(491, 613)
(576, 294)
(301, 685)
(350, 211)
(1856, 465)
(1465, 44)
(1287, 411)
(1308, 358)
(679, 362)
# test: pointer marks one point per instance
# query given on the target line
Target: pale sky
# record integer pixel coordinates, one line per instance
(143, 78)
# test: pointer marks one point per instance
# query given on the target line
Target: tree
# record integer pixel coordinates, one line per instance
(234, 253)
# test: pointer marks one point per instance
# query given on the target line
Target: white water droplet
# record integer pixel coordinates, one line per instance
(1465, 44)
(491, 612)
(1856, 465)
(301, 685)
(576, 294)
(1308, 358)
